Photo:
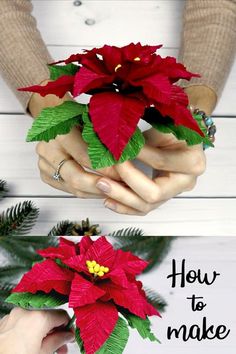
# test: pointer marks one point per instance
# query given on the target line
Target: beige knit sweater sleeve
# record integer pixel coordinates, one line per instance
(23, 54)
(208, 44)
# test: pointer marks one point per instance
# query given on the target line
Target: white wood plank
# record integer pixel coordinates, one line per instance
(226, 105)
(18, 162)
(178, 217)
(155, 21)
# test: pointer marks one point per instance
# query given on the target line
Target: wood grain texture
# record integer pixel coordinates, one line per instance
(178, 217)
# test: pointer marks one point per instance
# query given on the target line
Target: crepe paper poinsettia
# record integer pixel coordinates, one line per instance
(124, 83)
(99, 283)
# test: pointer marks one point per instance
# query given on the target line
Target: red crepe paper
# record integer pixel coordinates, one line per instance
(124, 82)
(98, 281)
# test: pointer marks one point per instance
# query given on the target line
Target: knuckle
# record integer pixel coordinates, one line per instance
(81, 195)
(40, 149)
(75, 183)
(198, 164)
(146, 209)
(191, 184)
(153, 197)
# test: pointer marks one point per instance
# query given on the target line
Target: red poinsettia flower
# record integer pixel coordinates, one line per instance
(123, 82)
(98, 280)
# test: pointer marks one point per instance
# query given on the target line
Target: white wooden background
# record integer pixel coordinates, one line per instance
(209, 254)
(207, 210)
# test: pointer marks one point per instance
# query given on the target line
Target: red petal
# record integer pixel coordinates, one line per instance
(66, 249)
(72, 58)
(156, 87)
(77, 262)
(84, 244)
(102, 252)
(96, 323)
(83, 292)
(115, 118)
(130, 299)
(118, 277)
(46, 276)
(112, 56)
(132, 51)
(86, 80)
(130, 263)
(175, 71)
(58, 87)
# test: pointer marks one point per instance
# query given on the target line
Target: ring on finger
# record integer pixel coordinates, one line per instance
(57, 176)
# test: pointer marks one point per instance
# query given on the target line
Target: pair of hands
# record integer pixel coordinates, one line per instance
(35, 332)
(126, 189)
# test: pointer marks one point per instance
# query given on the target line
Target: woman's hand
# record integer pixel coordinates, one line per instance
(178, 167)
(35, 332)
(76, 180)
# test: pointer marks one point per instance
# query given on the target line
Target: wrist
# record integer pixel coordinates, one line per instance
(37, 102)
(202, 97)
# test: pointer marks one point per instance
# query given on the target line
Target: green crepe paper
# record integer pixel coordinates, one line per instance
(118, 339)
(166, 125)
(39, 300)
(116, 343)
(98, 153)
(54, 121)
(143, 326)
(57, 71)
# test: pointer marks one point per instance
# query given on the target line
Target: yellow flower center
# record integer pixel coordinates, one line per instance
(137, 59)
(118, 67)
(96, 269)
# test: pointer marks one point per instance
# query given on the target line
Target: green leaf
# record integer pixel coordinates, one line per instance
(57, 71)
(143, 326)
(166, 125)
(99, 155)
(79, 341)
(117, 340)
(38, 300)
(54, 121)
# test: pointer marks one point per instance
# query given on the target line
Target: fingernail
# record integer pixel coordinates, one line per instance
(70, 337)
(110, 205)
(104, 186)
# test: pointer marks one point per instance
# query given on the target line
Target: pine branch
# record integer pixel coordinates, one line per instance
(155, 299)
(22, 249)
(68, 228)
(3, 188)
(5, 291)
(10, 274)
(19, 219)
(128, 232)
(150, 248)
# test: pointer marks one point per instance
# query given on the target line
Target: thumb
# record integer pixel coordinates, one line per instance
(56, 340)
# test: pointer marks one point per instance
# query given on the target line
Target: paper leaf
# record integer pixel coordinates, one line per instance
(53, 121)
(96, 323)
(166, 125)
(143, 326)
(99, 155)
(117, 340)
(38, 300)
(79, 341)
(57, 71)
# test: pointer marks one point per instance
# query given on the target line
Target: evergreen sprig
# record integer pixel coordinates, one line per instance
(19, 219)
(69, 228)
(150, 248)
(3, 188)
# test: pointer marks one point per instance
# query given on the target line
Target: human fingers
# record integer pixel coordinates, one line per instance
(77, 180)
(161, 188)
(76, 147)
(56, 342)
(190, 160)
(120, 208)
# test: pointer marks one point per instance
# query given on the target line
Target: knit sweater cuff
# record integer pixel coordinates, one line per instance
(209, 42)
(23, 54)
